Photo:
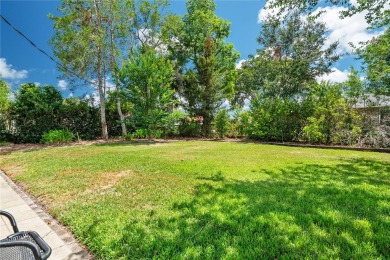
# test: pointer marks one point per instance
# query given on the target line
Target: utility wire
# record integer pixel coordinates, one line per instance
(45, 53)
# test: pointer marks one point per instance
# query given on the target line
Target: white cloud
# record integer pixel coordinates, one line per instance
(350, 29)
(265, 12)
(336, 76)
(93, 97)
(347, 30)
(70, 95)
(62, 84)
(239, 64)
(109, 85)
(7, 72)
(37, 83)
(147, 37)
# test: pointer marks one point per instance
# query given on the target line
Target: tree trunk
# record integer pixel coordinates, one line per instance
(100, 75)
(206, 126)
(102, 109)
(101, 97)
(121, 116)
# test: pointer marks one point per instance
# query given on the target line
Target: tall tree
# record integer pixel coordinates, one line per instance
(378, 11)
(208, 63)
(80, 43)
(353, 88)
(93, 38)
(291, 56)
(147, 77)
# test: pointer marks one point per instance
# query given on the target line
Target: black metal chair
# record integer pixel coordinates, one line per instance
(22, 245)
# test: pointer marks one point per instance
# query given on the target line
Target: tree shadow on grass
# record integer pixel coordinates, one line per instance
(307, 211)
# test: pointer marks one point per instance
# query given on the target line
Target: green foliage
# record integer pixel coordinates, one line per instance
(4, 96)
(173, 122)
(376, 60)
(129, 136)
(208, 73)
(35, 111)
(141, 133)
(158, 134)
(146, 79)
(284, 68)
(190, 127)
(312, 132)
(244, 121)
(353, 88)
(82, 43)
(222, 123)
(4, 111)
(81, 118)
(57, 137)
(377, 13)
(333, 120)
(114, 123)
(275, 119)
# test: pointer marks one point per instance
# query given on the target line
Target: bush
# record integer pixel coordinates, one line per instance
(240, 125)
(190, 127)
(222, 123)
(81, 118)
(157, 134)
(129, 136)
(378, 137)
(312, 132)
(35, 111)
(141, 133)
(57, 137)
(277, 119)
(173, 122)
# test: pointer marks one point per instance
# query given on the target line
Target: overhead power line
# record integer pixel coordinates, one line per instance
(45, 53)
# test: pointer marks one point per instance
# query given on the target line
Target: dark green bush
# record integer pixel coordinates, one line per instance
(35, 111)
(80, 118)
(277, 119)
(190, 127)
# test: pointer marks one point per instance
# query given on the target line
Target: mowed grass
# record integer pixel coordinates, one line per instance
(213, 200)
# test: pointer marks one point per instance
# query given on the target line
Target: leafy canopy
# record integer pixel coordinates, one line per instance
(378, 11)
(146, 78)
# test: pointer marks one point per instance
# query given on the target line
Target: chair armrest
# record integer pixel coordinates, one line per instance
(45, 248)
(19, 249)
(11, 220)
(25, 244)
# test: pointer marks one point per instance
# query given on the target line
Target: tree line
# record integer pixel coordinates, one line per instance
(172, 75)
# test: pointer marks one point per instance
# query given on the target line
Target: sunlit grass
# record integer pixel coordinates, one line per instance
(214, 200)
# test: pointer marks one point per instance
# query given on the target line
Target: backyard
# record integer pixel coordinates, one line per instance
(213, 200)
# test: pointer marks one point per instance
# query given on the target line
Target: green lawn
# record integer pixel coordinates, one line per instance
(212, 200)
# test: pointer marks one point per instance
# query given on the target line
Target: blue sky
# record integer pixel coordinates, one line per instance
(20, 62)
